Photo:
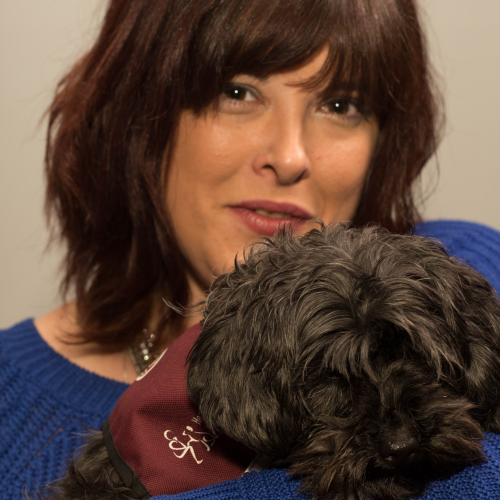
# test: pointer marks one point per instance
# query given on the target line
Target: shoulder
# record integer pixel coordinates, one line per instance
(16, 338)
(475, 244)
(454, 231)
(46, 404)
(33, 369)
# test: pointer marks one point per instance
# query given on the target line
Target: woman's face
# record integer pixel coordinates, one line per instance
(271, 153)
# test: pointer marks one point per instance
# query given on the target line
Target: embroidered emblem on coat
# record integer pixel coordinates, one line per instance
(190, 441)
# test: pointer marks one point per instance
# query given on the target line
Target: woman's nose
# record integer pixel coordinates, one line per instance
(284, 154)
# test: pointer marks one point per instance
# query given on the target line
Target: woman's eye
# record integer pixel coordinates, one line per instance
(235, 96)
(236, 92)
(345, 108)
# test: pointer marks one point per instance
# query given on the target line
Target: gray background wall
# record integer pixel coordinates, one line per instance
(39, 39)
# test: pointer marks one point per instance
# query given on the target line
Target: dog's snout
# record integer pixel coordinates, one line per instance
(399, 450)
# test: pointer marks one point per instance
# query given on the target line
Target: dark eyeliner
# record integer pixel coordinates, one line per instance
(232, 86)
(356, 102)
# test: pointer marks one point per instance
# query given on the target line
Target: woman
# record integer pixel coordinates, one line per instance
(189, 130)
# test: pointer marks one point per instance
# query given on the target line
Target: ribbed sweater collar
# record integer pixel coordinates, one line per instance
(28, 354)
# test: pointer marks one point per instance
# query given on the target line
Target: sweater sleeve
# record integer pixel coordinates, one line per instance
(474, 244)
(475, 482)
(269, 484)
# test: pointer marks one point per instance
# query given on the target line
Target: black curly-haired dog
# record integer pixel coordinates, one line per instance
(369, 361)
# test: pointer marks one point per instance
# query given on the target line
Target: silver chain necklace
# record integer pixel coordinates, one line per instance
(140, 351)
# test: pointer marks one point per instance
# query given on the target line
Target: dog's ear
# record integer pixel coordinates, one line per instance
(477, 332)
(470, 309)
(481, 379)
(243, 389)
(491, 420)
(239, 371)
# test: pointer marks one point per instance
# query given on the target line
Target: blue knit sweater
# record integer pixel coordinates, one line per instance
(46, 402)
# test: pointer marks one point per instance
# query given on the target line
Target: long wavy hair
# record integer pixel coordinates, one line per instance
(115, 114)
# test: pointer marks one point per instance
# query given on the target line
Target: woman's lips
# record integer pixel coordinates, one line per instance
(264, 217)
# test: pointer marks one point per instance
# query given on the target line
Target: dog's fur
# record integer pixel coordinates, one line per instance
(369, 361)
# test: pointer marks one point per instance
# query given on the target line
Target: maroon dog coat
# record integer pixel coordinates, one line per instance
(155, 432)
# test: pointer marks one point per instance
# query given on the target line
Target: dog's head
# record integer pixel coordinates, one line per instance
(370, 361)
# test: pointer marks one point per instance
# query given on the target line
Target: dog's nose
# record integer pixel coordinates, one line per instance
(399, 450)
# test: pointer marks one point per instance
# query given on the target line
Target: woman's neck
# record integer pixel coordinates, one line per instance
(59, 327)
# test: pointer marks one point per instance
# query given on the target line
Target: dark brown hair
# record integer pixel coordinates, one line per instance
(115, 115)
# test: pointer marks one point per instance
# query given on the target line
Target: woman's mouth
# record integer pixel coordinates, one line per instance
(273, 215)
(265, 217)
